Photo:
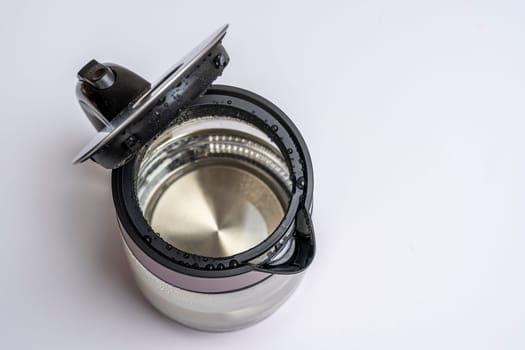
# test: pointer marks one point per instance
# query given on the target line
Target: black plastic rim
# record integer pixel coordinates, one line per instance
(244, 105)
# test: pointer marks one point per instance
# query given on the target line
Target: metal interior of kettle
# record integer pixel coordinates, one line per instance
(212, 187)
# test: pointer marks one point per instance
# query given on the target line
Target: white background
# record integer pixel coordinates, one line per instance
(414, 115)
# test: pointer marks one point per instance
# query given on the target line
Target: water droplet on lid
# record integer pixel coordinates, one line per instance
(161, 100)
(219, 61)
(132, 142)
(300, 183)
(234, 263)
(229, 102)
(148, 239)
(275, 127)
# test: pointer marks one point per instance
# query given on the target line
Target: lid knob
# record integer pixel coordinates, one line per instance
(104, 90)
(97, 75)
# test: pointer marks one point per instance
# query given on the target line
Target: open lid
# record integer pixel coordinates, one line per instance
(128, 112)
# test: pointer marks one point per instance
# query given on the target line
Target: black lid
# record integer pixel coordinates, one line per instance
(127, 112)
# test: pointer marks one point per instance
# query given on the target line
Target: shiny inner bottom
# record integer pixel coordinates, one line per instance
(213, 191)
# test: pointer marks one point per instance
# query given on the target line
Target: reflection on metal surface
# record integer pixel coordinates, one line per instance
(213, 192)
(216, 210)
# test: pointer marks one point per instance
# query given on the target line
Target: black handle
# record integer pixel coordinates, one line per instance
(304, 250)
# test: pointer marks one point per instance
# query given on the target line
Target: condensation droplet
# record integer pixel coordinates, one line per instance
(300, 183)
